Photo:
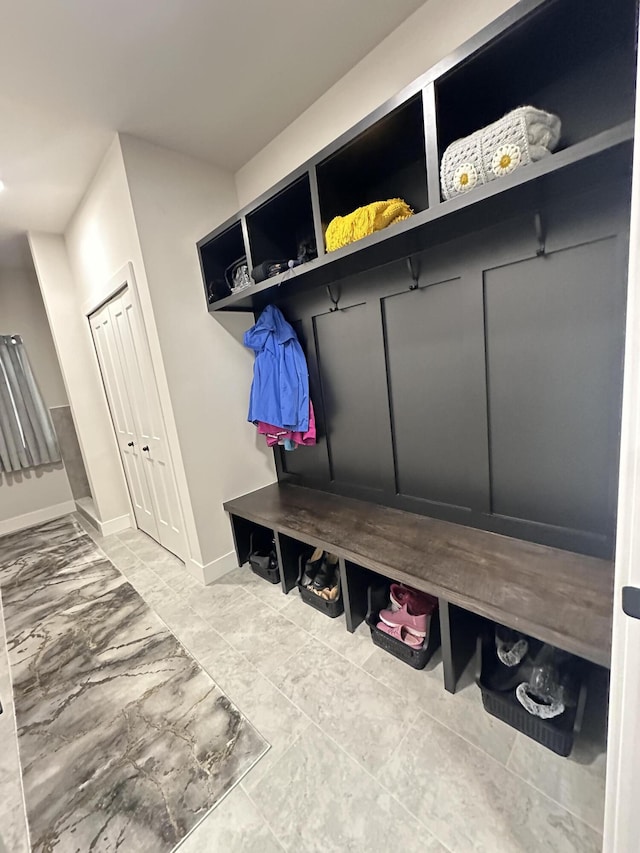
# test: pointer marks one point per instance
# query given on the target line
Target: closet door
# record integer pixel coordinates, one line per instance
(139, 379)
(123, 421)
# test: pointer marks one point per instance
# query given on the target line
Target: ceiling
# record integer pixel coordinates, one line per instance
(216, 79)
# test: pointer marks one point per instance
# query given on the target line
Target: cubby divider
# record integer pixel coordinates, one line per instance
(289, 551)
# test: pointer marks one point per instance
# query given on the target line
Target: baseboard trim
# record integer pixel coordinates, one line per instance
(21, 522)
(86, 508)
(210, 572)
(114, 525)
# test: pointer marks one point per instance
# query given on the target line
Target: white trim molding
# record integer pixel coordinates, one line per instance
(87, 510)
(214, 570)
(21, 522)
(115, 525)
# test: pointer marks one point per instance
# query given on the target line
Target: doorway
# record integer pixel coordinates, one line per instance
(127, 374)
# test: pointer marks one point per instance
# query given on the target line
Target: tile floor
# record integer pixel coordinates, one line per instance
(365, 752)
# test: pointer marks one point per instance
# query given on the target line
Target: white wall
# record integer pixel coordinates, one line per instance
(151, 215)
(74, 347)
(622, 820)
(426, 37)
(42, 492)
(176, 200)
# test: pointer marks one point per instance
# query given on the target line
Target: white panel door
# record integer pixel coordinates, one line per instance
(140, 380)
(123, 421)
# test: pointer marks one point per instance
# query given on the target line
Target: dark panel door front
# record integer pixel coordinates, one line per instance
(435, 363)
(310, 462)
(553, 361)
(354, 408)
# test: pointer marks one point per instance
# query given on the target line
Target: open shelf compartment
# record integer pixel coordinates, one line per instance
(248, 537)
(574, 58)
(281, 227)
(217, 254)
(418, 658)
(498, 684)
(387, 160)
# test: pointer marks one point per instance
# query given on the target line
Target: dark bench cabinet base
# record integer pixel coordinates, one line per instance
(559, 597)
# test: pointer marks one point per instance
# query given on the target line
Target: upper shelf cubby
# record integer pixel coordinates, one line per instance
(387, 160)
(574, 58)
(217, 255)
(278, 228)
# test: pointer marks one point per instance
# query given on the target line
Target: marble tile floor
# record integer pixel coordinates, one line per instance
(125, 741)
(365, 752)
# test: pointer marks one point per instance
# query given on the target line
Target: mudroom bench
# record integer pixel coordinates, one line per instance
(557, 596)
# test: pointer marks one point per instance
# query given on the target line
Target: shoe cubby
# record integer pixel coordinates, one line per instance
(499, 682)
(378, 597)
(331, 608)
(574, 58)
(263, 556)
(217, 254)
(293, 556)
(249, 538)
(278, 227)
(387, 160)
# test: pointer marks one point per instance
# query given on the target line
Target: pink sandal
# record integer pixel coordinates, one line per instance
(402, 633)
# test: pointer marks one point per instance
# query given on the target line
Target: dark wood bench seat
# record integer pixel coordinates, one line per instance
(558, 596)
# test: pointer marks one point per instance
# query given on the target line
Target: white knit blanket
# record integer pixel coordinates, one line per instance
(523, 136)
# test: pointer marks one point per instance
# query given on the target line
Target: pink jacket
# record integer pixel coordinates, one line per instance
(278, 435)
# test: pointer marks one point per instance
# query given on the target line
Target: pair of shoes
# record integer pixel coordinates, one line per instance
(401, 595)
(402, 633)
(311, 567)
(321, 574)
(511, 647)
(410, 612)
(330, 593)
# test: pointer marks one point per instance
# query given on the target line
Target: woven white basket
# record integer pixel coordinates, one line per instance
(523, 136)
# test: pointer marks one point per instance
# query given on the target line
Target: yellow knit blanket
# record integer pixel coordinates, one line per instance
(365, 220)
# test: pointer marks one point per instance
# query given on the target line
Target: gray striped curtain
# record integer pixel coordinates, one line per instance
(27, 437)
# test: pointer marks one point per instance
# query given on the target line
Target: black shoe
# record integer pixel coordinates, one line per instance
(312, 566)
(326, 574)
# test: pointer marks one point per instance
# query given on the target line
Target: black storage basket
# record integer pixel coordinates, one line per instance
(329, 608)
(261, 550)
(377, 600)
(557, 734)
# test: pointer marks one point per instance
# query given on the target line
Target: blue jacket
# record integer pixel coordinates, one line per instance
(280, 389)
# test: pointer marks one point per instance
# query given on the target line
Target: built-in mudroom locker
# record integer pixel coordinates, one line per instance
(454, 270)
(125, 363)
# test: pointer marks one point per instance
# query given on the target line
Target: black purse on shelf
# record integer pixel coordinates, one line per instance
(267, 269)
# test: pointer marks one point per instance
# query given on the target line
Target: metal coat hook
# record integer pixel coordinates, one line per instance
(334, 301)
(414, 272)
(541, 251)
